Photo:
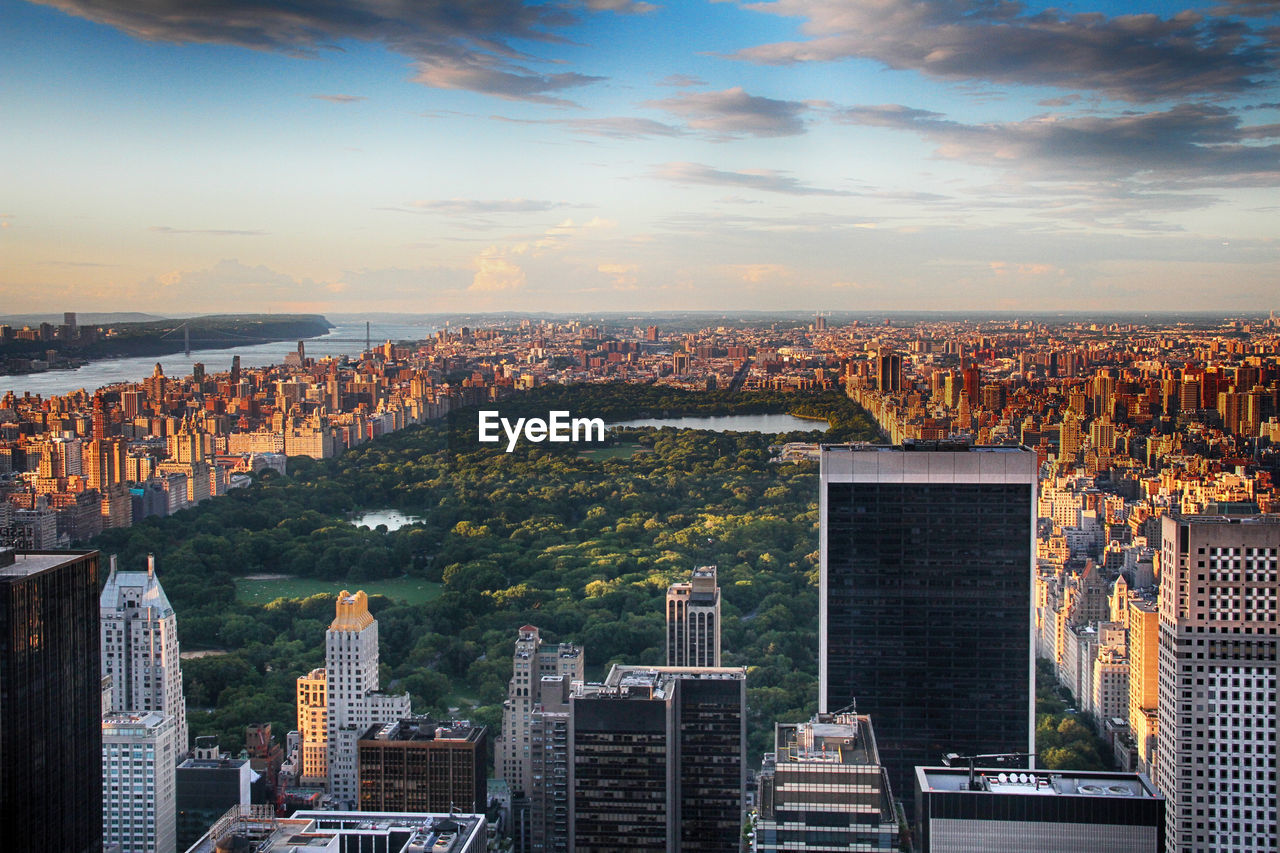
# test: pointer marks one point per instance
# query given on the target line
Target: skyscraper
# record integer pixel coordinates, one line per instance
(140, 648)
(1216, 744)
(419, 765)
(693, 620)
(925, 604)
(313, 725)
(657, 759)
(354, 701)
(50, 702)
(824, 789)
(139, 763)
(530, 663)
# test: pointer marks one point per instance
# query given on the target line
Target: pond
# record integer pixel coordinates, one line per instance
(770, 424)
(393, 519)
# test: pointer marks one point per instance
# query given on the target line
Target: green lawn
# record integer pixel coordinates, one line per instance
(616, 451)
(408, 590)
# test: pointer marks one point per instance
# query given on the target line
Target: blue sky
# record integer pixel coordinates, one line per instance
(215, 155)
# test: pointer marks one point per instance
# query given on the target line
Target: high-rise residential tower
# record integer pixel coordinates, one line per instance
(140, 648)
(1216, 744)
(50, 702)
(693, 620)
(533, 659)
(139, 764)
(925, 601)
(354, 701)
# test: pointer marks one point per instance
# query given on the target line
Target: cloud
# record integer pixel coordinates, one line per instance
(1132, 57)
(760, 273)
(733, 112)
(681, 80)
(207, 232)
(622, 7)
(623, 127)
(495, 273)
(766, 180)
(623, 275)
(476, 207)
(515, 84)
(1190, 145)
(463, 45)
(340, 99)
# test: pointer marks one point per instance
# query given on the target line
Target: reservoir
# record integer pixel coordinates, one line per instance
(770, 424)
(393, 519)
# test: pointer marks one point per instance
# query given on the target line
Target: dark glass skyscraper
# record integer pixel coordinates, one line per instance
(50, 703)
(925, 609)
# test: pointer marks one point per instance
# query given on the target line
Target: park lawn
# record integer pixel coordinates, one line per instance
(616, 451)
(408, 590)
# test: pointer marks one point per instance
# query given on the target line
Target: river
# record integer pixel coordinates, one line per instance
(343, 339)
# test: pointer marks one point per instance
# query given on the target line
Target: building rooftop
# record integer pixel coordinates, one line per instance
(828, 739)
(340, 831)
(23, 563)
(352, 612)
(651, 682)
(422, 729)
(1051, 783)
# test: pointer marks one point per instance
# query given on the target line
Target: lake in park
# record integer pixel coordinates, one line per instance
(769, 424)
(393, 519)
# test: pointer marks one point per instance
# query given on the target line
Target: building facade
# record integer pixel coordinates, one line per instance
(1044, 811)
(351, 688)
(925, 601)
(1216, 749)
(313, 727)
(140, 648)
(657, 759)
(205, 786)
(824, 790)
(419, 765)
(693, 620)
(50, 702)
(139, 760)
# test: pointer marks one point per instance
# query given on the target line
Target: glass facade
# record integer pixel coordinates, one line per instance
(928, 629)
(50, 703)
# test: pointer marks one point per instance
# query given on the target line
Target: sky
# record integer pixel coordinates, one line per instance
(183, 156)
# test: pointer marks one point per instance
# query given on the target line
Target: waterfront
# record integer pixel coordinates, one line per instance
(344, 339)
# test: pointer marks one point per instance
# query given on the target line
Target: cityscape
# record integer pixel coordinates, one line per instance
(630, 426)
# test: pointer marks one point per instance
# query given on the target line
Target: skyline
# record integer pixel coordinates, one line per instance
(622, 156)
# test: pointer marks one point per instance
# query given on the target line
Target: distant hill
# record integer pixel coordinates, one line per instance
(82, 318)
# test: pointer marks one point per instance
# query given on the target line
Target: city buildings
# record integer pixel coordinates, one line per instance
(206, 785)
(257, 828)
(1216, 744)
(353, 701)
(140, 648)
(536, 666)
(419, 765)
(50, 702)
(139, 758)
(823, 789)
(693, 620)
(925, 608)
(657, 759)
(1044, 811)
(313, 726)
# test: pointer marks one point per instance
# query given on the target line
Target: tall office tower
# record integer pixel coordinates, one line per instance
(530, 663)
(419, 765)
(823, 789)
(1216, 756)
(206, 785)
(351, 684)
(1064, 811)
(139, 760)
(888, 370)
(50, 702)
(693, 620)
(925, 604)
(140, 648)
(658, 760)
(313, 727)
